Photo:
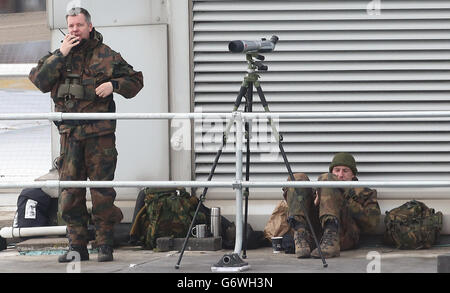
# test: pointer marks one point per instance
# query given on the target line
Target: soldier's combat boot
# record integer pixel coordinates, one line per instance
(75, 253)
(302, 237)
(303, 241)
(105, 253)
(329, 243)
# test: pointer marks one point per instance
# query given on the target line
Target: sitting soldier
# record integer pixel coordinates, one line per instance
(338, 214)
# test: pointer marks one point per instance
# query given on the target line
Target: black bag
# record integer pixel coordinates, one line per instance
(255, 239)
(35, 208)
(288, 243)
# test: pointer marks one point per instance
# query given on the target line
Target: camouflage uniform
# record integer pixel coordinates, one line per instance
(356, 209)
(88, 147)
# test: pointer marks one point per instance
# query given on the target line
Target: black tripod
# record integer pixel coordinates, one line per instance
(246, 90)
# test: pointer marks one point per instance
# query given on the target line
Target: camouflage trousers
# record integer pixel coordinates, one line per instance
(332, 205)
(94, 158)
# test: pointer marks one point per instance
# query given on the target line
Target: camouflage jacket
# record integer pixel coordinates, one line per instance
(95, 63)
(363, 207)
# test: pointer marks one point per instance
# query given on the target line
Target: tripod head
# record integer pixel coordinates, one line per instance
(254, 61)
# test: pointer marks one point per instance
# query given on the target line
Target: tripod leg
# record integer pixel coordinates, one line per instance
(286, 162)
(248, 108)
(202, 198)
(242, 92)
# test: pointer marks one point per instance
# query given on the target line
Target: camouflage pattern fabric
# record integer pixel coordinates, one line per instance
(356, 209)
(87, 147)
(95, 63)
(412, 226)
(305, 197)
(167, 212)
(94, 158)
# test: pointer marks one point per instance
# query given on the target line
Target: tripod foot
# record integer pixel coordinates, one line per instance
(230, 263)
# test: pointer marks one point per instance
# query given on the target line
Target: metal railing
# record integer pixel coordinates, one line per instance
(238, 184)
(59, 116)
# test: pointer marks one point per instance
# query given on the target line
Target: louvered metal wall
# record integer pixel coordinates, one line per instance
(332, 56)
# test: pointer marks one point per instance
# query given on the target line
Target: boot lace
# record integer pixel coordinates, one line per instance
(328, 236)
(301, 238)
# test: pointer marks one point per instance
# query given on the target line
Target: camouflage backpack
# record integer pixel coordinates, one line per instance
(167, 212)
(412, 226)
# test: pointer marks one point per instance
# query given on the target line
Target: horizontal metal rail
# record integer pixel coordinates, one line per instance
(228, 184)
(59, 116)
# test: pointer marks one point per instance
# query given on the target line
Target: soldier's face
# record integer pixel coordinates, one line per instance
(343, 173)
(78, 26)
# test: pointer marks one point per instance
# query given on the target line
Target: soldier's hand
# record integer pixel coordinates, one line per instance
(316, 199)
(104, 90)
(68, 43)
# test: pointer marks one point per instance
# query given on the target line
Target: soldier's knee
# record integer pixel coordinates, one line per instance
(299, 177)
(327, 177)
(74, 215)
(72, 204)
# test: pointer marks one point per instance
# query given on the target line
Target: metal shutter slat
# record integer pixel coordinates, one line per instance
(332, 56)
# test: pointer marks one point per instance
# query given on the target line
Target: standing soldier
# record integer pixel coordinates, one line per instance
(338, 214)
(82, 76)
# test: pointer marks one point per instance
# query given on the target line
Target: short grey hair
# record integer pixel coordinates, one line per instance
(78, 10)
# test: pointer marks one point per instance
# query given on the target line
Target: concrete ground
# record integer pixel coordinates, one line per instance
(132, 259)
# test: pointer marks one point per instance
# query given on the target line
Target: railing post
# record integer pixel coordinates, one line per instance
(233, 262)
(238, 182)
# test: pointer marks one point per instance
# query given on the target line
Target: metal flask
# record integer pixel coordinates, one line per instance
(215, 222)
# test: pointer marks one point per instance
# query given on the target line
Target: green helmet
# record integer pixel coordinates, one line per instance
(344, 159)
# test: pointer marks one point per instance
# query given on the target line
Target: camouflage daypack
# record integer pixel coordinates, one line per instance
(412, 226)
(167, 212)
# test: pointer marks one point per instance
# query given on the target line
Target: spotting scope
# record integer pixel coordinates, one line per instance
(262, 46)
